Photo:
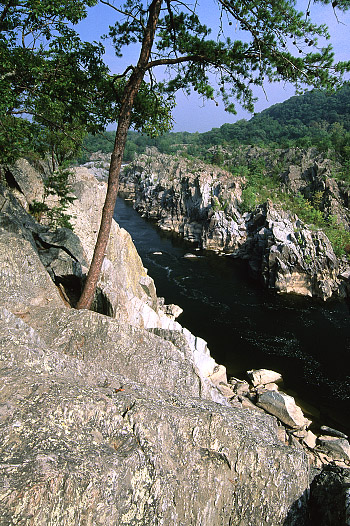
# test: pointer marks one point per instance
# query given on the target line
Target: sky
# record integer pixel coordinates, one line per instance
(191, 112)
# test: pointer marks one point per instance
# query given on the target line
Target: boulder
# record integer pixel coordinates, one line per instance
(333, 432)
(271, 387)
(219, 375)
(137, 354)
(283, 407)
(173, 311)
(263, 376)
(241, 388)
(124, 289)
(225, 390)
(310, 439)
(337, 447)
(25, 181)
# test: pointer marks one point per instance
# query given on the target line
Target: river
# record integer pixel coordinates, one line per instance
(247, 327)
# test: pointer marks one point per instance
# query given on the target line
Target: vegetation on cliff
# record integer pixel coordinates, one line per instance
(320, 120)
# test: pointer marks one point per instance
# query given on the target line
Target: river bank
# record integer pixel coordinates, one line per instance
(275, 229)
(247, 327)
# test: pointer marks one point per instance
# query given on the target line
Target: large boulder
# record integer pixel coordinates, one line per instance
(284, 407)
(124, 290)
(290, 257)
(82, 443)
(263, 377)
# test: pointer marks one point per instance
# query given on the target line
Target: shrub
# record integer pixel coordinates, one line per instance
(55, 184)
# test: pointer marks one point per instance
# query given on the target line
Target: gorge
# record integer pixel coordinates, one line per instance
(121, 416)
(204, 204)
(247, 327)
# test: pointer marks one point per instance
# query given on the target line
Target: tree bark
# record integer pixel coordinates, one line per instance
(131, 89)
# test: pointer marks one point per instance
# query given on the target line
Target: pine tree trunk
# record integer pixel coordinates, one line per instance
(131, 89)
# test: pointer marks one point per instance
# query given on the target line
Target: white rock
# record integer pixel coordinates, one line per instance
(173, 311)
(333, 432)
(241, 388)
(284, 407)
(219, 375)
(225, 390)
(263, 376)
(310, 439)
(271, 387)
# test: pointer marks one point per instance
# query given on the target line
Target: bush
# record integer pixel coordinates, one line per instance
(57, 185)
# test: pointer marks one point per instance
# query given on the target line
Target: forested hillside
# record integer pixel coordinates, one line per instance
(316, 119)
(314, 126)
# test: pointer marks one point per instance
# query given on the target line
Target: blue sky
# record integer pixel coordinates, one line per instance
(191, 113)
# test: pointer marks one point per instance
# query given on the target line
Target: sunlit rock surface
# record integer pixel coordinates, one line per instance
(114, 420)
(289, 257)
(201, 203)
(187, 197)
(104, 422)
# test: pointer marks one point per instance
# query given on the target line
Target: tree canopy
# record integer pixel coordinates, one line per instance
(52, 81)
(49, 80)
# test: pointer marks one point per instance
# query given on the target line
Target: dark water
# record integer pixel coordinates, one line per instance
(247, 327)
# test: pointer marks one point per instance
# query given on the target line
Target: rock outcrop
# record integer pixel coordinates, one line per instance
(82, 444)
(201, 203)
(187, 197)
(290, 257)
(113, 419)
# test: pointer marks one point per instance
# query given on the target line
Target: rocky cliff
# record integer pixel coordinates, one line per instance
(201, 203)
(116, 418)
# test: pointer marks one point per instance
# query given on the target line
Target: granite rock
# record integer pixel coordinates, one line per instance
(202, 203)
(337, 447)
(289, 257)
(263, 376)
(104, 422)
(80, 442)
(283, 407)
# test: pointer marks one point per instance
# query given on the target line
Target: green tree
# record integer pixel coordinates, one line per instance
(55, 184)
(50, 81)
(280, 44)
(172, 36)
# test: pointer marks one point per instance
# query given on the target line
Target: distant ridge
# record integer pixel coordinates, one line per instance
(304, 120)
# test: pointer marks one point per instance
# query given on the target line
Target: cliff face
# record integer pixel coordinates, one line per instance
(201, 203)
(105, 422)
(289, 256)
(187, 197)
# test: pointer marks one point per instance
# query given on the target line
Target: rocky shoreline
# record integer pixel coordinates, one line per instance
(201, 203)
(121, 416)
